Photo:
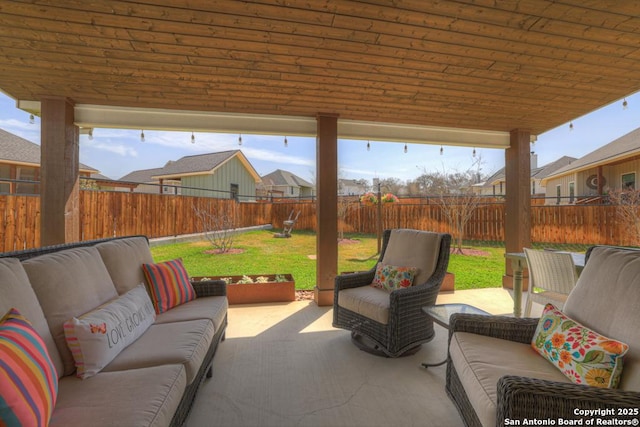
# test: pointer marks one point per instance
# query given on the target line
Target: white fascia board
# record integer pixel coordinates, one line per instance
(101, 116)
(391, 132)
(98, 116)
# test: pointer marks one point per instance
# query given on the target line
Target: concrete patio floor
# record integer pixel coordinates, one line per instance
(285, 365)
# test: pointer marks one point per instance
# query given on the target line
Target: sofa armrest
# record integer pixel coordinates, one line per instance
(209, 288)
(503, 327)
(522, 397)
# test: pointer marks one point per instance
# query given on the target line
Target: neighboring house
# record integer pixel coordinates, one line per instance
(611, 167)
(227, 174)
(20, 160)
(351, 187)
(496, 184)
(143, 181)
(281, 183)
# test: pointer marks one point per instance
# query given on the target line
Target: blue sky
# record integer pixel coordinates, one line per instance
(117, 152)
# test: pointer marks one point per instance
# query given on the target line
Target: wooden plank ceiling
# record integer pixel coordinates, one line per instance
(483, 64)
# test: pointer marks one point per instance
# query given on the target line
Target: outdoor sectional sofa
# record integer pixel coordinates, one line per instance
(496, 378)
(151, 382)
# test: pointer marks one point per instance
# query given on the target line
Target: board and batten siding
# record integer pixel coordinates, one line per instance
(611, 173)
(563, 181)
(231, 172)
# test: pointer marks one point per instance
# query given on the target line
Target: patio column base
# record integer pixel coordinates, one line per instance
(323, 297)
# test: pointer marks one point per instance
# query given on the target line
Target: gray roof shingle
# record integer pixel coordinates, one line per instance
(624, 146)
(282, 177)
(16, 149)
(141, 176)
(197, 163)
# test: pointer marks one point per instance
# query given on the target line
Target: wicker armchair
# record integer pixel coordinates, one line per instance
(407, 327)
(518, 390)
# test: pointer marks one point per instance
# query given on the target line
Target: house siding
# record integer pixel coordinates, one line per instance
(563, 182)
(231, 172)
(611, 173)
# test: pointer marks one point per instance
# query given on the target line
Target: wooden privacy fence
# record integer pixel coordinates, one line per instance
(107, 214)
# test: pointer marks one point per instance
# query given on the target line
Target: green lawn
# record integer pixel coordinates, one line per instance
(264, 254)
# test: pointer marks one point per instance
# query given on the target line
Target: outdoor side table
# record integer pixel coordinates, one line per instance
(440, 314)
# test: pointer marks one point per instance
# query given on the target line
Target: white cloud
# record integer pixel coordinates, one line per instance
(116, 148)
(276, 157)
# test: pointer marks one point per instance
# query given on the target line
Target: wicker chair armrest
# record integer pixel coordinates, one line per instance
(522, 397)
(354, 280)
(424, 291)
(210, 288)
(503, 327)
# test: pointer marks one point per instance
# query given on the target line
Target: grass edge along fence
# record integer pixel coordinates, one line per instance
(107, 214)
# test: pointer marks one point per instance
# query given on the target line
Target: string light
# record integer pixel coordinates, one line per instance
(441, 150)
(193, 138)
(474, 152)
(625, 104)
(142, 136)
(570, 125)
(405, 147)
(368, 146)
(286, 143)
(240, 139)
(91, 134)
(32, 119)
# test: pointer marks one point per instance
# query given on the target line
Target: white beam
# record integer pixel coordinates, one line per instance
(101, 116)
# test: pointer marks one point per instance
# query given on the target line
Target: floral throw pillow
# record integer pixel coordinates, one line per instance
(581, 354)
(390, 277)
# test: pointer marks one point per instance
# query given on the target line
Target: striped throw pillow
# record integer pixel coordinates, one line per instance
(169, 284)
(28, 379)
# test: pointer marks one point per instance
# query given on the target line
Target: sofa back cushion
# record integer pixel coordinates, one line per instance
(606, 299)
(123, 259)
(414, 248)
(69, 283)
(16, 292)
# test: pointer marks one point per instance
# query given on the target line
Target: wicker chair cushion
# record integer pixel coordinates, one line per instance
(69, 283)
(367, 301)
(123, 259)
(16, 291)
(414, 248)
(606, 299)
(481, 361)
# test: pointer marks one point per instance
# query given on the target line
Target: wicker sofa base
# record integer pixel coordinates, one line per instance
(458, 396)
(205, 371)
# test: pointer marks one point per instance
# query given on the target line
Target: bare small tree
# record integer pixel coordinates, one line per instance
(457, 199)
(458, 210)
(345, 204)
(627, 202)
(219, 227)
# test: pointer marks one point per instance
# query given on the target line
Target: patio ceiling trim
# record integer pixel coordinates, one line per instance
(99, 116)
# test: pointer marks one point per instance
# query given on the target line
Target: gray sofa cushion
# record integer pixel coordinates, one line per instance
(481, 361)
(69, 283)
(16, 292)
(212, 308)
(145, 397)
(184, 343)
(605, 298)
(123, 259)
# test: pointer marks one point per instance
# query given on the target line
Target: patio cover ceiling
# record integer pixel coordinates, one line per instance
(423, 71)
